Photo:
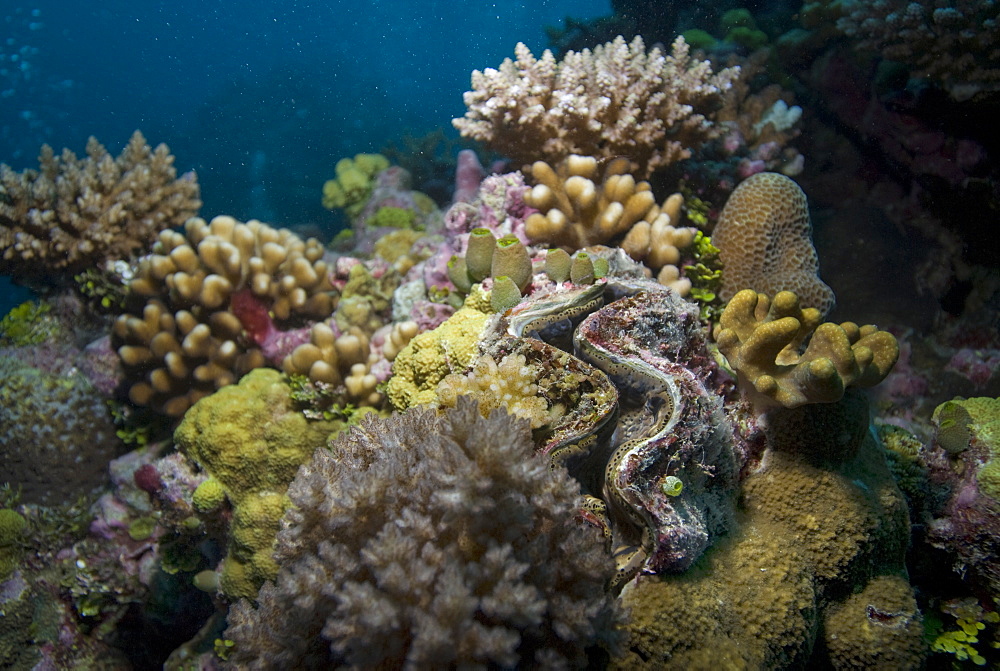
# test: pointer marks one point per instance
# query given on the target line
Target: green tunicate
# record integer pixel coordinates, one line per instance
(672, 485)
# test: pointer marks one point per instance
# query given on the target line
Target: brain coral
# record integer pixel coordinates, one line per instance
(764, 238)
(56, 434)
(430, 540)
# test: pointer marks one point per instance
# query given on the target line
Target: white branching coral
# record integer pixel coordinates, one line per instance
(617, 100)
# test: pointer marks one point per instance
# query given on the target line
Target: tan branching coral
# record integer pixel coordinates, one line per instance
(73, 213)
(764, 238)
(582, 205)
(617, 100)
(956, 42)
(762, 339)
(211, 293)
(337, 360)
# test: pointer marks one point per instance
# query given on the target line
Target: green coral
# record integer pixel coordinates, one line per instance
(982, 427)
(393, 217)
(430, 356)
(705, 274)
(208, 496)
(251, 439)
(971, 622)
(353, 185)
(12, 527)
(30, 323)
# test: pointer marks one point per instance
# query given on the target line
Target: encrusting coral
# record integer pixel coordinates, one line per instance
(251, 440)
(212, 296)
(617, 100)
(72, 214)
(430, 540)
(56, 433)
(764, 238)
(762, 339)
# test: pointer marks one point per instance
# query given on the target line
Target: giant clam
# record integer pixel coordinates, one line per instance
(659, 466)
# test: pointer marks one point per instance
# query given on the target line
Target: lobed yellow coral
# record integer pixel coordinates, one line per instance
(72, 214)
(186, 341)
(761, 340)
(764, 238)
(354, 181)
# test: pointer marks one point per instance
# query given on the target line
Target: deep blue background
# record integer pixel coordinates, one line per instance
(261, 98)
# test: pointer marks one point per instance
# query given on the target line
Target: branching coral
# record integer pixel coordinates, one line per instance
(761, 339)
(765, 242)
(72, 213)
(954, 42)
(213, 294)
(617, 100)
(428, 540)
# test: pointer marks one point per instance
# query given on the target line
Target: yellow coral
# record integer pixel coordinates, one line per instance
(251, 441)
(432, 355)
(761, 340)
(353, 184)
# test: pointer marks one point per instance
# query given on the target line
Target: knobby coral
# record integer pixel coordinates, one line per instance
(72, 214)
(617, 100)
(212, 296)
(761, 340)
(429, 540)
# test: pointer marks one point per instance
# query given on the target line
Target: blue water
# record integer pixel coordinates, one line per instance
(260, 98)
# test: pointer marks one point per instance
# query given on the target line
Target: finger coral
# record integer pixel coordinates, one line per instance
(761, 340)
(764, 238)
(617, 100)
(214, 296)
(72, 214)
(427, 540)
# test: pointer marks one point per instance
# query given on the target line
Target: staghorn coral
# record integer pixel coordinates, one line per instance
(765, 242)
(213, 294)
(251, 440)
(761, 340)
(955, 42)
(429, 540)
(617, 100)
(72, 214)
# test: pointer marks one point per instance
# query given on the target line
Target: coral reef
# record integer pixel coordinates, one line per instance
(251, 440)
(440, 540)
(765, 242)
(215, 296)
(72, 214)
(617, 100)
(354, 182)
(762, 338)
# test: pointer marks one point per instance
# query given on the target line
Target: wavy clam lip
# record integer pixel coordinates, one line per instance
(658, 425)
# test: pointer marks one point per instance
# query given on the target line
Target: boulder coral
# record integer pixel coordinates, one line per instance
(764, 237)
